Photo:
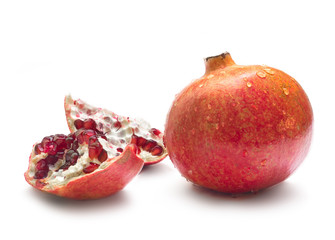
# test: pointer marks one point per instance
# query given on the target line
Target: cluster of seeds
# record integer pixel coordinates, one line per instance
(62, 150)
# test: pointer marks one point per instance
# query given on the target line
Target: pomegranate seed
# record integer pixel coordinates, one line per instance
(42, 165)
(41, 174)
(156, 151)
(120, 150)
(51, 160)
(90, 168)
(78, 124)
(155, 131)
(59, 155)
(71, 157)
(75, 145)
(149, 145)
(60, 140)
(89, 124)
(46, 140)
(141, 141)
(94, 150)
(103, 156)
(92, 139)
(38, 148)
(50, 148)
(117, 125)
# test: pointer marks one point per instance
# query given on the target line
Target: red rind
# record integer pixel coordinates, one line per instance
(100, 183)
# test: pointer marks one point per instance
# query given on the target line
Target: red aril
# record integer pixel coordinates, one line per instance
(239, 128)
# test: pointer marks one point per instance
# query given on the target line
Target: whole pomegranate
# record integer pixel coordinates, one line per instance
(239, 128)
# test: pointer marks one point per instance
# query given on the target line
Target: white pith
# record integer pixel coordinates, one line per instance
(118, 138)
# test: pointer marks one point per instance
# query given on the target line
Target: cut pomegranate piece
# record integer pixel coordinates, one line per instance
(81, 169)
(119, 131)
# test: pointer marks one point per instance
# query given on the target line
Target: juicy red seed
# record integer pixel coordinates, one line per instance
(69, 140)
(156, 151)
(155, 131)
(78, 124)
(75, 145)
(50, 148)
(38, 148)
(90, 168)
(94, 150)
(41, 174)
(71, 157)
(89, 124)
(103, 156)
(93, 139)
(60, 140)
(42, 165)
(87, 134)
(149, 145)
(119, 150)
(46, 140)
(141, 141)
(117, 125)
(51, 160)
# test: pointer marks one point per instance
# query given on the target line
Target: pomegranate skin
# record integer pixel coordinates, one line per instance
(239, 128)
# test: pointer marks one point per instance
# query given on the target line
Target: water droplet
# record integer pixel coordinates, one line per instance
(210, 76)
(195, 109)
(193, 131)
(286, 91)
(209, 106)
(201, 85)
(208, 118)
(261, 74)
(269, 71)
(263, 162)
(217, 126)
(222, 124)
(249, 84)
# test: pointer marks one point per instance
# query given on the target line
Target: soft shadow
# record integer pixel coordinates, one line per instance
(155, 169)
(277, 194)
(115, 201)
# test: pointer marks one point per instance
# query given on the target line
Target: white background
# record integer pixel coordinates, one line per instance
(133, 57)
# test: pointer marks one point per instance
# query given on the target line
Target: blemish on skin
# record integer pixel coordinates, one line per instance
(261, 74)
